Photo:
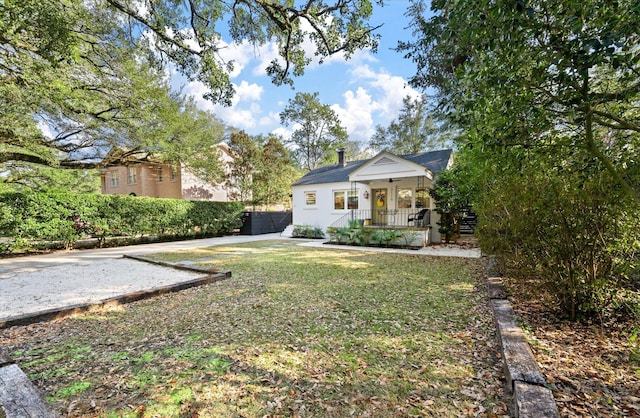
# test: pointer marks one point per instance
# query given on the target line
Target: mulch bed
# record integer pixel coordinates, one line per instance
(592, 369)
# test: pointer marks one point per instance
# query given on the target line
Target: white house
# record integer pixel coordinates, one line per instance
(387, 190)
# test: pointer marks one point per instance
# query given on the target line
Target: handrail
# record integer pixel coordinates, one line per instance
(403, 218)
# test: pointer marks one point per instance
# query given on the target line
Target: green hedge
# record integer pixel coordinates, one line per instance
(29, 220)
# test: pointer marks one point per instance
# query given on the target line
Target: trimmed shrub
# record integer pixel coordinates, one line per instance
(31, 220)
(307, 231)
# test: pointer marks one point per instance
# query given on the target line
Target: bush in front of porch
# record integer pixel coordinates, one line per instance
(357, 234)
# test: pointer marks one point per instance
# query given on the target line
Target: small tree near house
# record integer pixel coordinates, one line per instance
(450, 199)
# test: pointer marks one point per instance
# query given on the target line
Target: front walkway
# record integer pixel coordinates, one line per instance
(433, 250)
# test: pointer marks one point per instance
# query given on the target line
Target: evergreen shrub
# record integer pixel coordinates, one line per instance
(32, 220)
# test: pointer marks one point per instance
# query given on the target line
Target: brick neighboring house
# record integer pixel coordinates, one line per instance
(153, 178)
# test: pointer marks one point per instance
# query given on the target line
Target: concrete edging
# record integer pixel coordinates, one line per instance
(525, 382)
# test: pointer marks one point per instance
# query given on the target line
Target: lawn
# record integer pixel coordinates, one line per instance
(296, 331)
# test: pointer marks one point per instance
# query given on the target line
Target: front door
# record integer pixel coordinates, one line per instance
(379, 209)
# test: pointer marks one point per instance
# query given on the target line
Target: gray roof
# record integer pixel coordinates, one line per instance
(434, 161)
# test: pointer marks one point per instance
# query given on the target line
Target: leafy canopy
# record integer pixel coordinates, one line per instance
(414, 131)
(317, 130)
(546, 96)
(78, 78)
(537, 74)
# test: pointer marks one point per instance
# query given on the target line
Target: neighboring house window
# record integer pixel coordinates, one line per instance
(160, 174)
(310, 198)
(405, 197)
(352, 201)
(132, 177)
(173, 174)
(115, 180)
(422, 198)
(338, 200)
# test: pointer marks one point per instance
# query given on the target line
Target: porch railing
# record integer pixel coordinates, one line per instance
(400, 218)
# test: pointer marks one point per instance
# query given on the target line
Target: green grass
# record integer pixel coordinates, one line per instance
(296, 331)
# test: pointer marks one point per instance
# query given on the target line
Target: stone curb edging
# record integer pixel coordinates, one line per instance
(525, 382)
(18, 396)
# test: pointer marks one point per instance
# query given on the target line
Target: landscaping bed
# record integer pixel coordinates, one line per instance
(593, 369)
(297, 331)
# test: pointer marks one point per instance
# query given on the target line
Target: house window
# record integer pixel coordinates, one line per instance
(159, 174)
(342, 197)
(132, 176)
(338, 200)
(310, 198)
(405, 197)
(422, 198)
(115, 180)
(352, 201)
(173, 174)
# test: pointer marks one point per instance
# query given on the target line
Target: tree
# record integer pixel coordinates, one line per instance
(452, 193)
(186, 33)
(546, 96)
(88, 71)
(246, 161)
(570, 234)
(189, 136)
(545, 74)
(317, 132)
(71, 116)
(272, 181)
(414, 130)
(47, 179)
(261, 172)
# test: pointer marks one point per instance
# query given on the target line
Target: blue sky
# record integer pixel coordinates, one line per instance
(364, 91)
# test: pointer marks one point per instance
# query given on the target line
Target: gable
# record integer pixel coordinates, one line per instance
(386, 165)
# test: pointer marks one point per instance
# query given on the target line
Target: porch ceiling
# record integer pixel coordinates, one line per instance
(385, 177)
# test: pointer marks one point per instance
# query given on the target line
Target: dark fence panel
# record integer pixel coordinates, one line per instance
(256, 223)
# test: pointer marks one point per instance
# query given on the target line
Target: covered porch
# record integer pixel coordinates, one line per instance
(400, 204)
(405, 228)
(385, 218)
(392, 198)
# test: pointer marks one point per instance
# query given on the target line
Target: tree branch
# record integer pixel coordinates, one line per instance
(160, 32)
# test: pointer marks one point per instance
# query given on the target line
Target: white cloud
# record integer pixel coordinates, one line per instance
(236, 117)
(242, 54)
(245, 110)
(264, 55)
(247, 92)
(272, 118)
(357, 114)
(377, 100)
(285, 133)
(392, 88)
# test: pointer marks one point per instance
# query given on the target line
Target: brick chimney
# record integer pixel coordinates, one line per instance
(341, 160)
